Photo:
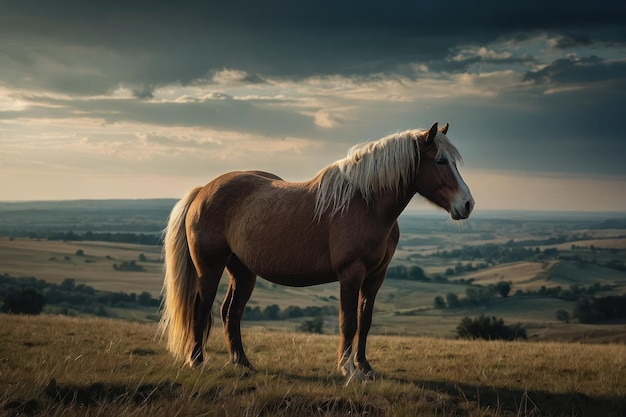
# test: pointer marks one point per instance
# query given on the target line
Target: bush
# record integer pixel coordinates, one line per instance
(130, 266)
(489, 328)
(25, 301)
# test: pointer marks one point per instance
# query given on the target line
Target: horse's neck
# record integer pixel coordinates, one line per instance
(390, 204)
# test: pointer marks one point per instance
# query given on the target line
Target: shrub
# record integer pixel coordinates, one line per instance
(128, 266)
(25, 301)
(489, 328)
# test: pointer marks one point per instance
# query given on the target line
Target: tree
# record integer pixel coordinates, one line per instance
(251, 313)
(417, 273)
(585, 312)
(452, 300)
(271, 312)
(562, 315)
(144, 299)
(314, 325)
(25, 301)
(479, 295)
(503, 288)
(68, 284)
(438, 303)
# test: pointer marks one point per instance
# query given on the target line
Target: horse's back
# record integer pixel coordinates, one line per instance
(228, 189)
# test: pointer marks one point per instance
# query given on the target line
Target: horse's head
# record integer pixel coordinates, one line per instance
(438, 178)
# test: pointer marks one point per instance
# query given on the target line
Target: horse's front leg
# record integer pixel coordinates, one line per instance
(367, 295)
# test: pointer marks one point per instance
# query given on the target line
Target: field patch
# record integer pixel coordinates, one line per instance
(523, 275)
(582, 273)
(54, 261)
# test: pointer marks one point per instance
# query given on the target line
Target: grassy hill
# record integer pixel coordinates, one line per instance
(59, 366)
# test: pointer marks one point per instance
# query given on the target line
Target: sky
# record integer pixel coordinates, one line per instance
(146, 99)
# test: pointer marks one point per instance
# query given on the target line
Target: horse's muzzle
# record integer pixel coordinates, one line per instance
(463, 210)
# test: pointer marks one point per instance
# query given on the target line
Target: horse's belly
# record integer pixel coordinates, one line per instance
(299, 269)
(300, 280)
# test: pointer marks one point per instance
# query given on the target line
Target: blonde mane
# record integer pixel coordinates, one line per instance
(383, 165)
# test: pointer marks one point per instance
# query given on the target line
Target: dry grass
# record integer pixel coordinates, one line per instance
(57, 366)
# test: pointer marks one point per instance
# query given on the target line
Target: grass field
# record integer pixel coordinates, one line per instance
(59, 366)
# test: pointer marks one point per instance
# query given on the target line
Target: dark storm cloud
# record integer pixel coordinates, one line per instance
(576, 70)
(160, 42)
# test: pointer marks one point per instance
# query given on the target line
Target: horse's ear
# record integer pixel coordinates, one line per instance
(432, 132)
(444, 129)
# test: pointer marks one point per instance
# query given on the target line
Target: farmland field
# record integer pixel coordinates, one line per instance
(531, 251)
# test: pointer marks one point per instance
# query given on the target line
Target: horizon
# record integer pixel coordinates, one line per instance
(413, 209)
(124, 100)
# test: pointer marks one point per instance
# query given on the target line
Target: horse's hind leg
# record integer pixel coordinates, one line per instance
(242, 282)
(350, 282)
(203, 317)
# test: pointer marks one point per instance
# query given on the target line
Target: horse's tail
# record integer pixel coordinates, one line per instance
(180, 287)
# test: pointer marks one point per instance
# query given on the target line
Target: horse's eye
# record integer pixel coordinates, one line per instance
(441, 161)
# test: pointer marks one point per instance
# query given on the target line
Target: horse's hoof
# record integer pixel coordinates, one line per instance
(245, 369)
(372, 375)
(358, 375)
(196, 364)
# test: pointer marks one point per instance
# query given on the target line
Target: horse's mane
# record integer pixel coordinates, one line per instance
(386, 164)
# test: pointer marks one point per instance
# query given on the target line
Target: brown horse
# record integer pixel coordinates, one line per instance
(339, 226)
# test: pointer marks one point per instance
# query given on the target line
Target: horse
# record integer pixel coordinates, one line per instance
(339, 226)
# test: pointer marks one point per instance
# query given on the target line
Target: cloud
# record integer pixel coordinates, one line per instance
(145, 92)
(194, 88)
(161, 43)
(574, 69)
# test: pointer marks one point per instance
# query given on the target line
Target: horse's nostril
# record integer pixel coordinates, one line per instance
(468, 206)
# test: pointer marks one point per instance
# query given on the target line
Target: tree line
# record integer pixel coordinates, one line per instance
(28, 295)
(154, 239)
(594, 310)
(274, 312)
(477, 295)
(18, 295)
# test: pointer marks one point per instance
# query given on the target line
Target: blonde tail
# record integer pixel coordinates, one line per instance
(180, 286)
